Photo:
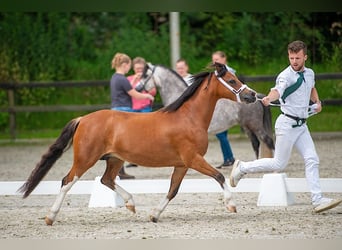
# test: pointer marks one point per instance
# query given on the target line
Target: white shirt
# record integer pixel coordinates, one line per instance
(187, 79)
(297, 103)
(231, 70)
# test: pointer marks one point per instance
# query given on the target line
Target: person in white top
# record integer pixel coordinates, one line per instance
(295, 88)
(182, 68)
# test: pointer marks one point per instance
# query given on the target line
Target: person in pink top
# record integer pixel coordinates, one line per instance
(140, 105)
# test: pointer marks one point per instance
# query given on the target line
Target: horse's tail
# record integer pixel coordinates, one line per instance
(55, 151)
(267, 122)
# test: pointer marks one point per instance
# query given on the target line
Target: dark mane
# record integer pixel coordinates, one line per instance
(196, 82)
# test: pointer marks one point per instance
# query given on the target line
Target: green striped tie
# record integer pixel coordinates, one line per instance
(289, 90)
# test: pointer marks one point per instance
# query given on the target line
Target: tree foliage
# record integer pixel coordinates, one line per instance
(51, 46)
(58, 46)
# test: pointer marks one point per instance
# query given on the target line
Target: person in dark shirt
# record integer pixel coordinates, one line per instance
(120, 88)
(121, 92)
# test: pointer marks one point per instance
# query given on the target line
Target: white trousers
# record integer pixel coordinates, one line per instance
(288, 137)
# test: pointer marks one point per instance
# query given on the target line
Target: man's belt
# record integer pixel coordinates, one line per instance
(300, 121)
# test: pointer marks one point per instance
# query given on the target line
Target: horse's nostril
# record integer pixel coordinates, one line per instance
(250, 98)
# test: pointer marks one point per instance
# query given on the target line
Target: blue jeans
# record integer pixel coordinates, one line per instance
(143, 110)
(225, 146)
(127, 109)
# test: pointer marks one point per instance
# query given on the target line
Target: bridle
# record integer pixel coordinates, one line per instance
(148, 78)
(236, 92)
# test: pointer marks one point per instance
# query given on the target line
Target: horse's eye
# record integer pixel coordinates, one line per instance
(232, 81)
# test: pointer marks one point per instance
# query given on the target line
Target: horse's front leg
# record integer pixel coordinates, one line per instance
(228, 200)
(203, 167)
(176, 179)
(108, 179)
(126, 196)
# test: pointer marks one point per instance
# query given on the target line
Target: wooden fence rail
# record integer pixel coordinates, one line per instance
(12, 108)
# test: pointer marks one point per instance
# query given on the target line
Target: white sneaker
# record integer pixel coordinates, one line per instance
(236, 174)
(325, 204)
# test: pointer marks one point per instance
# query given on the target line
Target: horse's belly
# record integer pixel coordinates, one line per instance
(153, 158)
(162, 152)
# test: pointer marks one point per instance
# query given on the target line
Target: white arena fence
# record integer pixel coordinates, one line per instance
(294, 185)
(273, 189)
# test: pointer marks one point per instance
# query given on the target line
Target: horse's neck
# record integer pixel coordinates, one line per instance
(171, 87)
(201, 106)
(171, 90)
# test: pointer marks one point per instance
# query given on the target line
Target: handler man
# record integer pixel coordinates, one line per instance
(295, 87)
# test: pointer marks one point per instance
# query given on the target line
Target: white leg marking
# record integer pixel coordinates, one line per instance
(59, 200)
(157, 211)
(126, 196)
(229, 202)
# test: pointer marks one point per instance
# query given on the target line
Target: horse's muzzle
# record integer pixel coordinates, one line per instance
(249, 97)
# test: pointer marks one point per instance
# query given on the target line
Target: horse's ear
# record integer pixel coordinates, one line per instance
(221, 69)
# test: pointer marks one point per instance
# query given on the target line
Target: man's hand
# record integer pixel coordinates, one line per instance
(266, 101)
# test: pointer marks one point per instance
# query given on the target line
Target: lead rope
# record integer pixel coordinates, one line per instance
(311, 108)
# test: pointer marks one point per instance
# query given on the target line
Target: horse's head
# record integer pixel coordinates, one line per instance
(238, 91)
(148, 80)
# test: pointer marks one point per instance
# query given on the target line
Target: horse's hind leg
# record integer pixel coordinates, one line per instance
(262, 143)
(176, 179)
(108, 179)
(254, 140)
(265, 150)
(79, 167)
(50, 218)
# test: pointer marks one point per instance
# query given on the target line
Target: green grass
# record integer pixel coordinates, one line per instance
(329, 119)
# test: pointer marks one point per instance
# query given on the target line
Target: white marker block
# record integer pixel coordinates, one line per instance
(273, 191)
(103, 196)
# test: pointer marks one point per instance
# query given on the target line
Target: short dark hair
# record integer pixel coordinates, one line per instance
(297, 46)
(139, 59)
(182, 60)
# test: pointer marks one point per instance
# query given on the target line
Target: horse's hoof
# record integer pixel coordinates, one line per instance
(131, 208)
(153, 219)
(231, 209)
(48, 221)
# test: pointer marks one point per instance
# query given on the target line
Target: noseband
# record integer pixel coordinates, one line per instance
(227, 85)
